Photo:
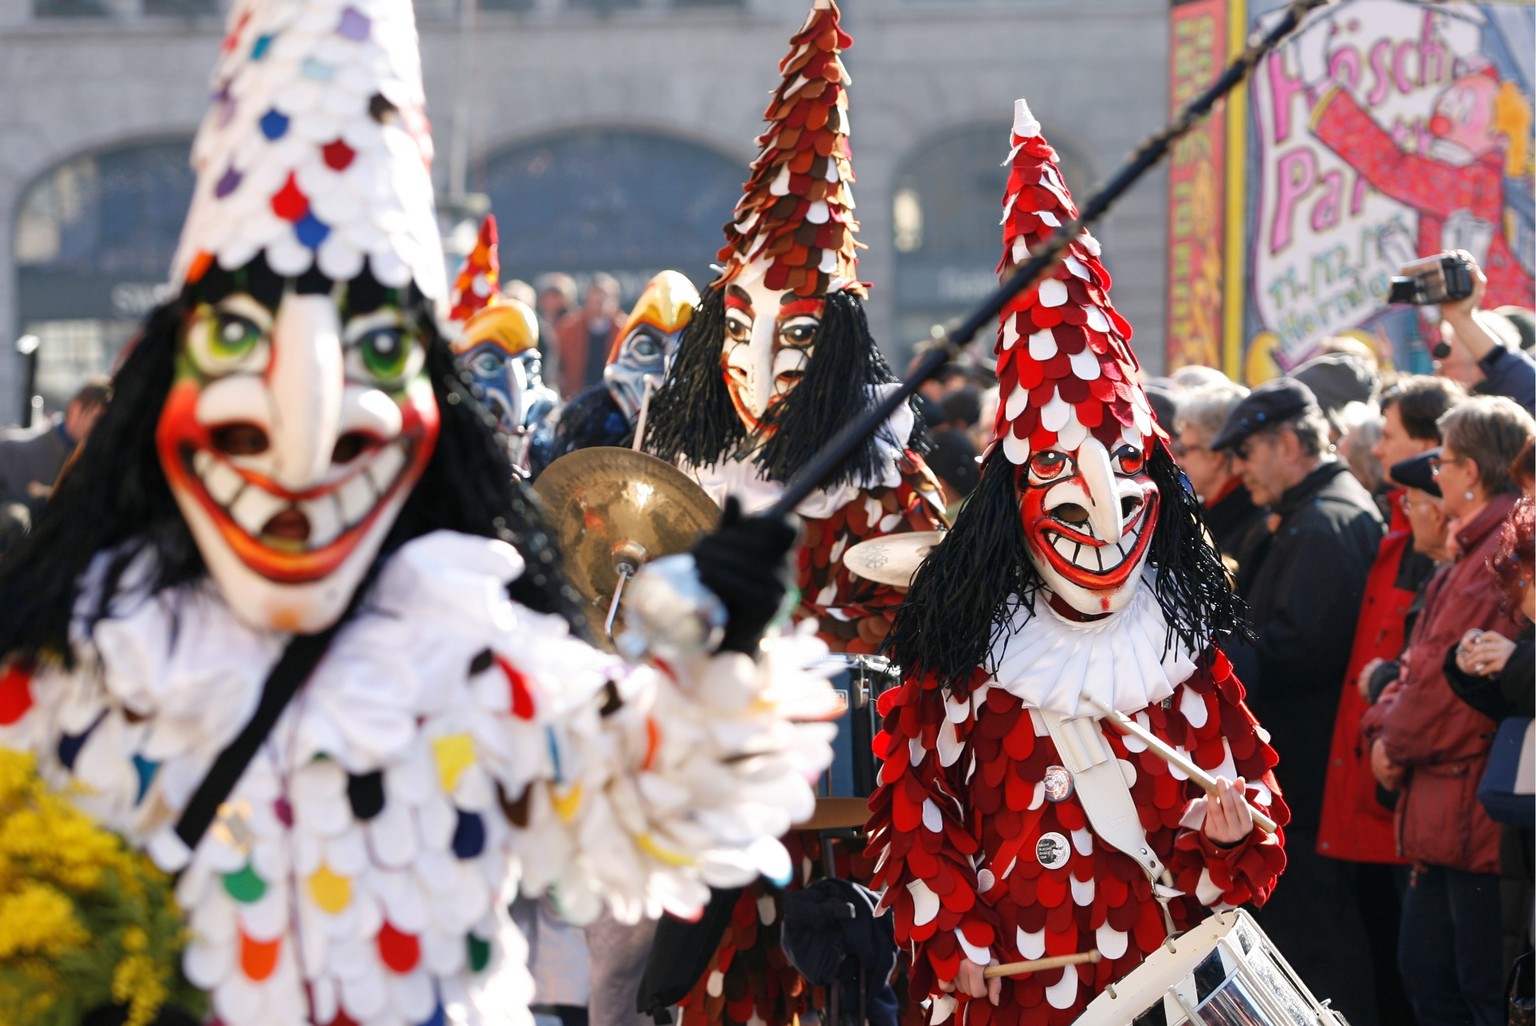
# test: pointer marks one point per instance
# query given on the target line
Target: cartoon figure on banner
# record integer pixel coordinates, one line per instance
(1478, 154)
(292, 627)
(1013, 821)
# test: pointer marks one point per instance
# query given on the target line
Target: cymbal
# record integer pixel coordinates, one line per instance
(893, 558)
(610, 507)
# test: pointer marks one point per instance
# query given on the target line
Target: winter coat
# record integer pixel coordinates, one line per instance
(1425, 727)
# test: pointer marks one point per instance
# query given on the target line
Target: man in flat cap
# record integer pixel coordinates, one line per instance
(1303, 585)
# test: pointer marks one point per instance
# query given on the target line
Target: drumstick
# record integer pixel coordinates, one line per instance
(1170, 755)
(1037, 964)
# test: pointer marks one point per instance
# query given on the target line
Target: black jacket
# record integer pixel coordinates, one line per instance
(1236, 525)
(1303, 586)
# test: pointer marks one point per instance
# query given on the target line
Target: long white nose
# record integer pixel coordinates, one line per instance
(760, 364)
(307, 379)
(1103, 496)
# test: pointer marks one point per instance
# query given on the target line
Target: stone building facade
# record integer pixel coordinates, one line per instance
(608, 134)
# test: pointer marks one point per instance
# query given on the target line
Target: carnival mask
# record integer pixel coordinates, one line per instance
(498, 343)
(769, 336)
(1088, 518)
(648, 341)
(291, 438)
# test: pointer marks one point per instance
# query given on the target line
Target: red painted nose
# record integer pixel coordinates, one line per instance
(1439, 125)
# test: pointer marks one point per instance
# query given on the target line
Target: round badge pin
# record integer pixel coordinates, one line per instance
(1053, 850)
(1058, 784)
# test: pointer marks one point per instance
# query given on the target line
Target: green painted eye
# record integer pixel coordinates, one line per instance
(232, 337)
(386, 353)
(221, 342)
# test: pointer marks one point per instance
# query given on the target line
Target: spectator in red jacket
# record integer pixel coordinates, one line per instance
(1433, 747)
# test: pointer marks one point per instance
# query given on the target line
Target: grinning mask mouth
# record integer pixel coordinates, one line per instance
(1088, 518)
(291, 438)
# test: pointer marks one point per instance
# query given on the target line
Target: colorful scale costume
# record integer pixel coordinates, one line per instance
(985, 850)
(421, 776)
(289, 449)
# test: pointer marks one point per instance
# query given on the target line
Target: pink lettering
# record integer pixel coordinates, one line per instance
(1344, 67)
(1295, 173)
(1283, 88)
(1432, 54)
(1381, 72)
(1405, 50)
(1325, 214)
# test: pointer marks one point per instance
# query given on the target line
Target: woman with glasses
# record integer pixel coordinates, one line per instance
(1235, 523)
(1432, 747)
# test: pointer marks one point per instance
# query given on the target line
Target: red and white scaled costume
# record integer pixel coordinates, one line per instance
(777, 358)
(791, 243)
(986, 852)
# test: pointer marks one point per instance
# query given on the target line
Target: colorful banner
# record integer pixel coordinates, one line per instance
(1384, 131)
(1196, 189)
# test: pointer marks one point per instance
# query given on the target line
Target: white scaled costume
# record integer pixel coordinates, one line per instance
(449, 744)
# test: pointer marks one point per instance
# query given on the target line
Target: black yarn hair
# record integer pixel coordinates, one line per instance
(979, 575)
(114, 496)
(691, 415)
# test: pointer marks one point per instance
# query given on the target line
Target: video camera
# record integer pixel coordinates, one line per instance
(1438, 279)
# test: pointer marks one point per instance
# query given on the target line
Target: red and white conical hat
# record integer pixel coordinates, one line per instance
(1065, 367)
(316, 151)
(796, 212)
(475, 288)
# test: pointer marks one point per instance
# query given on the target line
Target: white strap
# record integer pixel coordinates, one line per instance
(1101, 788)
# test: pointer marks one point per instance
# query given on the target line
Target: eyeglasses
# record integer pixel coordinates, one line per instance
(1436, 462)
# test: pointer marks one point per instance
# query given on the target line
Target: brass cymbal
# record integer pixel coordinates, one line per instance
(892, 558)
(609, 507)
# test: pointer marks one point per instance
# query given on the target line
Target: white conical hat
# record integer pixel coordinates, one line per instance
(316, 150)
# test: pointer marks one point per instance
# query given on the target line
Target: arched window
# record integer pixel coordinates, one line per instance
(945, 212)
(93, 246)
(630, 203)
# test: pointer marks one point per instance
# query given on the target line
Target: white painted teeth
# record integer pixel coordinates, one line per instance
(254, 508)
(329, 515)
(324, 520)
(356, 498)
(1103, 558)
(386, 467)
(222, 481)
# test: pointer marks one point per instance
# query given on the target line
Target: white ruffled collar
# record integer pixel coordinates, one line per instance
(743, 478)
(183, 657)
(1125, 661)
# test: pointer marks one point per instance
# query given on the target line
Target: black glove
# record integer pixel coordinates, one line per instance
(745, 562)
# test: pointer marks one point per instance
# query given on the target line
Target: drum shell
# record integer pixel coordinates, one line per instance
(859, 680)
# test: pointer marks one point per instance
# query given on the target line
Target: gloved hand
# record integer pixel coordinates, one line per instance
(745, 562)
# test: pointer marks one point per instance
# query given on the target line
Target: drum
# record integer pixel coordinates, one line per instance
(1224, 972)
(859, 680)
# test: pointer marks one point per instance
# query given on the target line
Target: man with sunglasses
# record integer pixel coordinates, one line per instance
(1303, 584)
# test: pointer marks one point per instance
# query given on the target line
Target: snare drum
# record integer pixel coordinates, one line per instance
(859, 680)
(1224, 972)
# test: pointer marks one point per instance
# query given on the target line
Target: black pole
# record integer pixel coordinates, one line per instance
(837, 448)
(27, 347)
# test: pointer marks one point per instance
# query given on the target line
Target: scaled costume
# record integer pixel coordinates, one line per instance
(777, 358)
(290, 448)
(1028, 620)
